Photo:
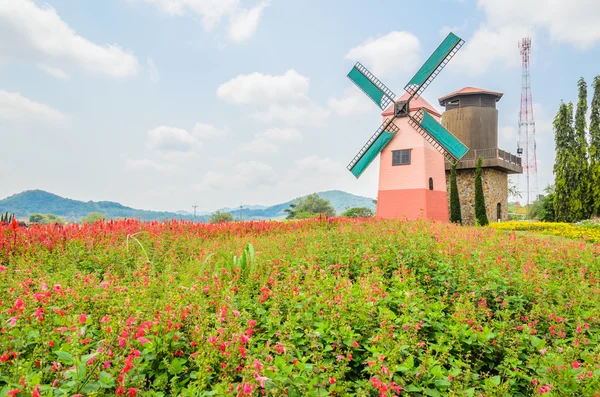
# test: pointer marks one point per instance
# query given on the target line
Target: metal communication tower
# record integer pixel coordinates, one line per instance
(526, 145)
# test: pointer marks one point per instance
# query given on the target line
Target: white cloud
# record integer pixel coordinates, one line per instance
(147, 165)
(14, 106)
(576, 21)
(178, 144)
(354, 101)
(263, 142)
(290, 135)
(396, 51)
(242, 176)
(242, 21)
(258, 88)
(259, 146)
(207, 131)
(38, 33)
(152, 71)
(55, 72)
(307, 114)
(171, 139)
(489, 47)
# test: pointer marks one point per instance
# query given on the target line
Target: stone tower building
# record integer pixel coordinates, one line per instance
(471, 115)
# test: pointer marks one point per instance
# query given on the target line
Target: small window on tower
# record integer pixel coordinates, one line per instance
(401, 157)
(430, 183)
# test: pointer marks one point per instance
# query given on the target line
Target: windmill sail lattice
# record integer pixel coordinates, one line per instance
(434, 65)
(422, 122)
(370, 85)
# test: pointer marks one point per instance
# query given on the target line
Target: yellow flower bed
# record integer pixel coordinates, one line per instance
(558, 229)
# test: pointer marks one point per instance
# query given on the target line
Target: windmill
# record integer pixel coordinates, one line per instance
(405, 117)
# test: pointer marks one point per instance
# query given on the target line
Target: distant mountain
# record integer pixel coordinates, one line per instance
(341, 201)
(39, 201)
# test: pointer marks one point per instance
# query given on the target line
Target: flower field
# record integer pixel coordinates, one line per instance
(312, 308)
(585, 232)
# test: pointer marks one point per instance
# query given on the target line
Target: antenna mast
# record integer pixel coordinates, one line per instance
(526, 145)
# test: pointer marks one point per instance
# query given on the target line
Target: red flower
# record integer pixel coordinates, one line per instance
(82, 318)
(13, 392)
(132, 391)
(36, 392)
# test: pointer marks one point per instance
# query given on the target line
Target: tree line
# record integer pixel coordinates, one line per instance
(576, 192)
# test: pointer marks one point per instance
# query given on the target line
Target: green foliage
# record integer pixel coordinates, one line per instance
(358, 212)
(309, 207)
(543, 208)
(581, 176)
(93, 217)
(220, 217)
(595, 150)
(455, 213)
(480, 212)
(46, 219)
(566, 206)
(334, 307)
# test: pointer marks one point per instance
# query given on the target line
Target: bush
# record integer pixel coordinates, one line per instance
(481, 217)
(455, 213)
(221, 217)
(309, 207)
(358, 212)
(46, 219)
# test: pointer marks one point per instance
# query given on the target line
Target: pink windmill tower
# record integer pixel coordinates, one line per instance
(412, 142)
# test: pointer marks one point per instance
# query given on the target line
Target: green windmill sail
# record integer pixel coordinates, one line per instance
(422, 122)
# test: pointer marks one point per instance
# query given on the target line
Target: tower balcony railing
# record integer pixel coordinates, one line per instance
(496, 158)
(496, 153)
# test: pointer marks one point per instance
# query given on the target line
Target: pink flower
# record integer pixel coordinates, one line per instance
(252, 323)
(82, 318)
(575, 365)
(2, 268)
(354, 344)
(236, 313)
(36, 392)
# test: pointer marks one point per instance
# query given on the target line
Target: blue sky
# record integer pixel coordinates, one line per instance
(162, 104)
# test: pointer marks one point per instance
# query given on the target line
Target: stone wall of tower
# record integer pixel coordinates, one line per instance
(495, 191)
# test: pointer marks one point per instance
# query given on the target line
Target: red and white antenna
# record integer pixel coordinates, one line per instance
(526, 145)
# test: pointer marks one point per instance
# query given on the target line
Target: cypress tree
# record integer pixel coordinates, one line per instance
(480, 211)
(581, 177)
(455, 215)
(595, 150)
(563, 164)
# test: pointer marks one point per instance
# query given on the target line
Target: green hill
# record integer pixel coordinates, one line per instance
(39, 201)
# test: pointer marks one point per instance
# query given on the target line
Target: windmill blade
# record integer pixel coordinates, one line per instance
(434, 65)
(438, 136)
(374, 145)
(370, 85)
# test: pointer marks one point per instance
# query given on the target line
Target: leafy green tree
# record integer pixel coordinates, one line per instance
(595, 150)
(455, 213)
(93, 217)
(580, 174)
(220, 217)
(358, 212)
(480, 211)
(566, 204)
(310, 206)
(36, 218)
(46, 219)
(547, 208)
